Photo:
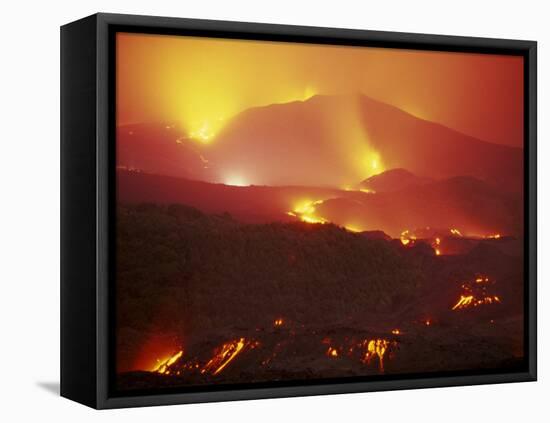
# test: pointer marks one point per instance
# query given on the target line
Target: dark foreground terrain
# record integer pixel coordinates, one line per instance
(207, 299)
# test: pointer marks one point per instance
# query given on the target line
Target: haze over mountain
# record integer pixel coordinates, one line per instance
(323, 141)
(341, 139)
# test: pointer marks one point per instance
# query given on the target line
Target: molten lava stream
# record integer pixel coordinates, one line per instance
(164, 365)
(376, 348)
(475, 294)
(369, 348)
(305, 211)
(225, 354)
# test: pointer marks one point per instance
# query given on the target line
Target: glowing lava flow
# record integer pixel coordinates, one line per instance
(305, 211)
(436, 245)
(464, 301)
(367, 349)
(206, 130)
(376, 348)
(332, 352)
(163, 366)
(352, 228)
(407, 238)
(475, 294)
(224, 356)
(470, 300)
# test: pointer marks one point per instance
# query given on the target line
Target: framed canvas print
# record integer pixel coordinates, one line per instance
(255, 211)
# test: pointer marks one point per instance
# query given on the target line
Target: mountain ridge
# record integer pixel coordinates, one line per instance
(326, 140)
(466, 203)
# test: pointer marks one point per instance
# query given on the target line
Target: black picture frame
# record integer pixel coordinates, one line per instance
(87, 204)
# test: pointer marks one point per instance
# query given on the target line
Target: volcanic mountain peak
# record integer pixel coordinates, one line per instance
(334, 140)
(326, 140)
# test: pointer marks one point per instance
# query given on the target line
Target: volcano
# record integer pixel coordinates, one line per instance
(329, 140)
(326, 140)
(296, 213)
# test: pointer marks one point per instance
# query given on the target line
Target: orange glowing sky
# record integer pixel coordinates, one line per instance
(203, 82)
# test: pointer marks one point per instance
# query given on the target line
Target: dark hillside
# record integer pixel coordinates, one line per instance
(182, 271)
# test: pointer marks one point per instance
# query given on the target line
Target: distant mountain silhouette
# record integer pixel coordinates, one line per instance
(393, 180)
(323, 141)
(313, 141)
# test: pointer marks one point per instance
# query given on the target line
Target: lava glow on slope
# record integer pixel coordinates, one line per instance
(367, 349)
(353, 228)
(435, 238)
(407, 238)
(222, 356)
(236, 181)
(376, 348)
(305, 211)
(205, 131)
(165, 364)
(363, 350)
(476, 294)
